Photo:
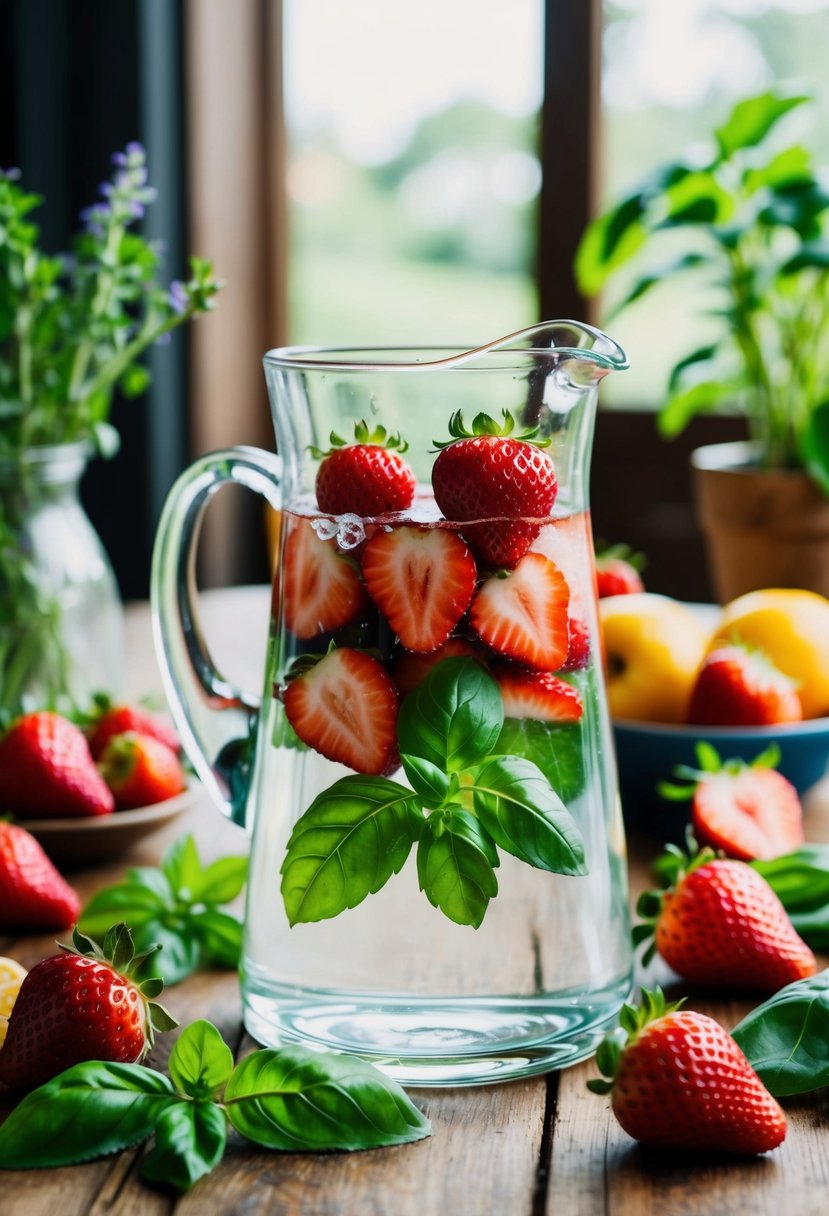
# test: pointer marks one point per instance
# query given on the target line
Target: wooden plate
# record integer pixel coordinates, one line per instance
(99, 836)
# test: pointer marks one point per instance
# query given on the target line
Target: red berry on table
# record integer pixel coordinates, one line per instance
(522, 614)
(345, 708)
(422, 580)
(321, 587)
(78, 1006)
(33, 895)
(140, 771)
(678, 1081)
(736, 686)
(538, 695)
(618, 571)
(410, 670)
(47, 770)
(721, 925)
(748, 813)
(118, 719)
(367, 477)
(504, 482)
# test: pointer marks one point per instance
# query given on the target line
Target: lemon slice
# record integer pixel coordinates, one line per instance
(12, 976)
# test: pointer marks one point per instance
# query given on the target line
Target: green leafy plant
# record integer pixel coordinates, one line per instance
(801, 882)
(785, 1039)
(177, 906)
(466, 802)
(754, 218)
(292, 1099)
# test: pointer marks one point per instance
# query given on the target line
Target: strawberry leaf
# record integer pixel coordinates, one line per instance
(525, 816)
(91, 1109)
(300, 1100)
(456, 862)
(784, 1039)
(190, 1140)
(453, 718)
(200, 1062)
(351, 840)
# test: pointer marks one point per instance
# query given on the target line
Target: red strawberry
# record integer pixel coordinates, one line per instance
(412, 669)
(740, 687)
(322, 589)
(539, 695)
(422, 580)
(345, 708)
(522, 615)
(578, 649)
(679, 1081)
(508, 483)
(140, 771)
(80, 1006)
(33, 895)
(118, 719)
(369, 477)
(47, 770)
(617, 571)
(721, 925)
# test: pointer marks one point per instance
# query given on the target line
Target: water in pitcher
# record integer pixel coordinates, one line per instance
(542, 965)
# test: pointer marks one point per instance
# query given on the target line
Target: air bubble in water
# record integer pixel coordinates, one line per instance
(351, 532)
(325, 528)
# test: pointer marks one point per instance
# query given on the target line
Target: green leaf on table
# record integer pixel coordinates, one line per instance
(222, 881)
(785, 1039)
(523, 814)
(91, 1109)
(299, 1100)
(453, 718)
(221, 936)
(130, 902)
(800, 880)
(751, 120)
(201, 1061)
(190, 1140)
(456, 862)
(180, 953)
(556, 750)
(351, 840)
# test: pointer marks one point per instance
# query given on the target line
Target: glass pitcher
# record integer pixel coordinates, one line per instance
(438, 878)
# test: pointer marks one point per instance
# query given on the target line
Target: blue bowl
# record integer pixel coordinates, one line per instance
(648, 752)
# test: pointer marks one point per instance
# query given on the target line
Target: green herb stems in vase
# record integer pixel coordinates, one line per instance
(73, 328)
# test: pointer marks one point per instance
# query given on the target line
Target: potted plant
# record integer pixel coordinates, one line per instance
(72, 328)
(753, 217)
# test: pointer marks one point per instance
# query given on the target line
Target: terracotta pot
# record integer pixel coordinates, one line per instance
(762, 528)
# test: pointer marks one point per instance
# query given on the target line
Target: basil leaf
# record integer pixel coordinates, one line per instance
(201, 1061)
(130, 903)
(180, 953)
(300, 1100)
(87, 1111)
(453, 718)
(456, 866)
(785, 1039)
(347, 845)
(152, 879)
(556, 750)
(181, 866)
(427, 780)
(221, 937)
(190, 1140)
(222, 880)
(524, 815)
(799, 879)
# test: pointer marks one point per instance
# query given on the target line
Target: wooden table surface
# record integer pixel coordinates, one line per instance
(538, 1147)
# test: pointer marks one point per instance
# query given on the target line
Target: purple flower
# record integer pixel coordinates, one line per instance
(119, 160)
(136, 209)
(163, 339)
(178, 297)
(11, 175)
(105, 189)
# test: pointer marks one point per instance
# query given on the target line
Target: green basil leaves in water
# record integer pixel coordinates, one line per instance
(292, 1099)
(467, 800)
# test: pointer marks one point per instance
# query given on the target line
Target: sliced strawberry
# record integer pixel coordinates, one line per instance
(322, 589)
(345, 708)
(412, 669)
(578, 650)
(751, 813)
(422, 580)
(539, 695)
(522, 614)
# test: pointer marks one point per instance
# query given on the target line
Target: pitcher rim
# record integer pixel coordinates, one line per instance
(610, 356)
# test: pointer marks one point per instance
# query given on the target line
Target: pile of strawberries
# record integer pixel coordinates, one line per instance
(462, 584)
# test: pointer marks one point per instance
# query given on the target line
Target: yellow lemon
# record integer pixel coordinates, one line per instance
(12, 976)
(792, 628)
(653, 646)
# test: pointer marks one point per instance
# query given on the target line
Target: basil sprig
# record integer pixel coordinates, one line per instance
(467, 801)
(292, 1099)
(177, 906)
(786, 1039)
(801, 882)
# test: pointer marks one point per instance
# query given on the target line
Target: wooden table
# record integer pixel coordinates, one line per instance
(539, 1147)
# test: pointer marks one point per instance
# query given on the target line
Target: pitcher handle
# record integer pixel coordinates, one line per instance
(215, 719)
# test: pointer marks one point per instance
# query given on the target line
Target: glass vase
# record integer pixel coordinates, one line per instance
(61, 619)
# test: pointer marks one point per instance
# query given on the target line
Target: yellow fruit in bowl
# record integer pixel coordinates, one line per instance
(792, 628)
(653, 648)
